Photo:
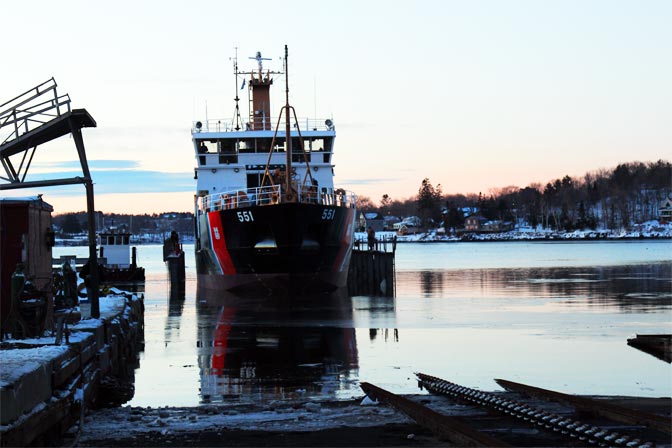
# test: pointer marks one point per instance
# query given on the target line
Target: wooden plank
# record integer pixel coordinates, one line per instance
(442, 425)
(596, 407)
(37, 423)
(66, 368)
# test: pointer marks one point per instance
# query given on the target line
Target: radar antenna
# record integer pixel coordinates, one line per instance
(236, 99)
(259, 61)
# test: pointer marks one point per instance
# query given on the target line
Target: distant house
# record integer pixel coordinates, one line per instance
(390, 221)
(665, 211)
(371, 219)
(408, 225)
(497, 226)
(474, 223)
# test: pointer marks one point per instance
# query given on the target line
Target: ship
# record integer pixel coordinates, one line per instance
(268, 217)
(120, 259)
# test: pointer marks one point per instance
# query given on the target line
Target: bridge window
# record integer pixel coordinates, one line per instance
(247, 145)
(322, 145)
(227, 151)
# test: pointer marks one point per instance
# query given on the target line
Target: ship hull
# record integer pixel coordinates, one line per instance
(290, 247)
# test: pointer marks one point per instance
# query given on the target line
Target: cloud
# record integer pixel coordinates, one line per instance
(381, 180)
(109, 181)
(93, 165)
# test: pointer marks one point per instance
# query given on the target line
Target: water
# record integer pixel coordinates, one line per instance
(555, 315)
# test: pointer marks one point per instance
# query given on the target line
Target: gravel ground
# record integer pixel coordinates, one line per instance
(341, 423)
(386, 435)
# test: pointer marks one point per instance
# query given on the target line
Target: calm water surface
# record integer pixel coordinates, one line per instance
(556, 315)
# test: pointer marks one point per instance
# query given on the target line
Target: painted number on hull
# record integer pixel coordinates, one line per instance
(328, 214)
(245, 216)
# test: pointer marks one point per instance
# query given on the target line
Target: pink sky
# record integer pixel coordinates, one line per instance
(472, 95)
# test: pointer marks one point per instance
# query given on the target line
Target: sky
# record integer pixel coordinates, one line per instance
(474, 95)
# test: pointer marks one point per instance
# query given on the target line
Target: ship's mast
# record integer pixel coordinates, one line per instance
(261, 89)
(235, 70)
(288, 138)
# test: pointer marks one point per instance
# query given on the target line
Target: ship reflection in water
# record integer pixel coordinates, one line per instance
(562, 328)
(261, 350)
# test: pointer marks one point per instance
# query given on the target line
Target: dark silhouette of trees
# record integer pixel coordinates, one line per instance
(71, 223)
(429, 200)
(157, 223)
(454, 218)
(364, 203)
(606, 198)
(385, 203)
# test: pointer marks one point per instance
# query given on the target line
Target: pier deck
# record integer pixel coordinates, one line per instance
(45, 385)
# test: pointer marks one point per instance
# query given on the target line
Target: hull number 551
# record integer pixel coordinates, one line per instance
(328, 214)
(245, 216)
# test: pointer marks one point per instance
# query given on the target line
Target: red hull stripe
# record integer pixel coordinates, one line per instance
(346, 240)
(221, 340)
(219, 244)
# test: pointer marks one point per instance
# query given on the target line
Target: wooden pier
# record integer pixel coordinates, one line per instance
(50, 382)
(372, 268)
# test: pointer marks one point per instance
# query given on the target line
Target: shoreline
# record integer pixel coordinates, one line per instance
(315, 423)
(652, 230)
(424, 238)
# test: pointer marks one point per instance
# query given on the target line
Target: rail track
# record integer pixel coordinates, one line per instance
(527, 416)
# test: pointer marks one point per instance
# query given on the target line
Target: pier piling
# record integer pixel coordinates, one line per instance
(372, 268)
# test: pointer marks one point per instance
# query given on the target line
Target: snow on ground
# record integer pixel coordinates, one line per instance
(38, 352)
(276, 416)
(650, 229)
(19, 362)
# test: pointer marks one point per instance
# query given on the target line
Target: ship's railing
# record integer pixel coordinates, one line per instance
(304, 124)
(271, 195)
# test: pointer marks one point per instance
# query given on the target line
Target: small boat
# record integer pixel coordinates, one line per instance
(120, 258)
(268, 216)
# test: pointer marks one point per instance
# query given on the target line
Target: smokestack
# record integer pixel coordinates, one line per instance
(261, 102)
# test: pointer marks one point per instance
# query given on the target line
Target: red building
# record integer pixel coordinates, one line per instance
(26, 237)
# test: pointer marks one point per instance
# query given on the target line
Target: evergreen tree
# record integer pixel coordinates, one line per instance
(428, 200)
(454, 218)
(71, 224)
(385, 203)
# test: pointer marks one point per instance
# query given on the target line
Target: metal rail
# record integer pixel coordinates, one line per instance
(441, 425)
(30, 109)
(386, 244)
(593, 435)
(228, 125)
(272, 195)
(608, 410)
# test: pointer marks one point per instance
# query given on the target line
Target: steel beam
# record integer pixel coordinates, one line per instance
(443, 426)
(43, 183)
(608, 410)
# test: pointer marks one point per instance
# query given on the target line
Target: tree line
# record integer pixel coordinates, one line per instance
(614, 198)
(156, 223)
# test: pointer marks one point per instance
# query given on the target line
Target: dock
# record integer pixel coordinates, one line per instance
(658, 345)
(372, 269)
(47, 383)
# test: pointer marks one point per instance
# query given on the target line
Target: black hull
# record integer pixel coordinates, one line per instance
(276, 248)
